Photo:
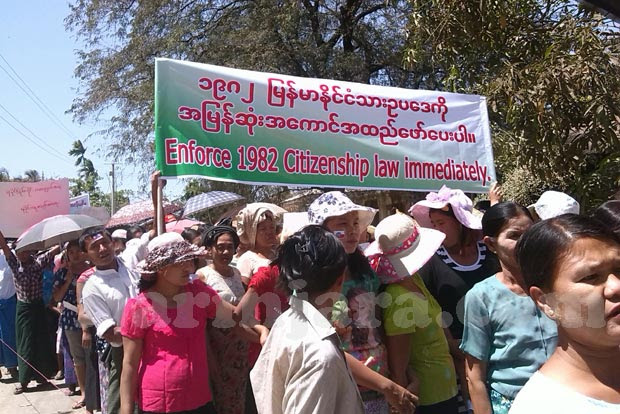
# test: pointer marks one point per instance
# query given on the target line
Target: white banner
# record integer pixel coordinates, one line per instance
(76, 203)
(264, 128)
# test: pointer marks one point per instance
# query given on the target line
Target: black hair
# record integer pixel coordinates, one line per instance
(543, 245)
(608, 213)
(90, 233)
(209, 238)
(131, 230)
(73, 243)
(446, 211)
(146, 284)
(483, 205)
(226, 221)
(358, 266)
(310, 261)
(190, 234)
(496, 217)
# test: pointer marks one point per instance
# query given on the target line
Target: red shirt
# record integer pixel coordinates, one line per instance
(173, 374)
(272, 302)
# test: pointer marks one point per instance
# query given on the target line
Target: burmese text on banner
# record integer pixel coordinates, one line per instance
(23, 204)
(261, 128)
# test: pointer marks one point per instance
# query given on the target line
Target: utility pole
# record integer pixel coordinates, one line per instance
(113, 193)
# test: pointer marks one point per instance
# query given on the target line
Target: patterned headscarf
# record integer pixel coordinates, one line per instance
(169, 254)
(248, 220)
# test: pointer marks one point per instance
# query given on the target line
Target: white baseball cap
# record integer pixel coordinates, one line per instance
(554, 203)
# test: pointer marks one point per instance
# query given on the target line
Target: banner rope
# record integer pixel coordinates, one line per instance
(36, 370)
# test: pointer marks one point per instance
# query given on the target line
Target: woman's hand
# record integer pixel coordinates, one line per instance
(401, 400)
(414, 386)
(263, 333)
(495, 193)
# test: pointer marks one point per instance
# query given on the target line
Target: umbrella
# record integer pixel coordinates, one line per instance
(209, 200)
(179, 225)
(99, 213)
(136, 212)
(55, 230)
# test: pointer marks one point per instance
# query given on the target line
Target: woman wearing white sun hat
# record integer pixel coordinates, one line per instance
(355, 316)
(418, 352)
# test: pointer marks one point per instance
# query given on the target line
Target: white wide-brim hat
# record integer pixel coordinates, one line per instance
(401, 247)
(334, 204)
(462, 207)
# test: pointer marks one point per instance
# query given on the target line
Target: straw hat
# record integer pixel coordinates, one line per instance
(401, 247)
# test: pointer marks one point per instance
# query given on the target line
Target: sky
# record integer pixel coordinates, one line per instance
(35, 47)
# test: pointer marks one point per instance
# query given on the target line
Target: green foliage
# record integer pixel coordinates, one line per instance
(29, 176)
(32, 176)
(4, 174)
(551, 74)
(87, 182)
(549, 68)
(357, 40)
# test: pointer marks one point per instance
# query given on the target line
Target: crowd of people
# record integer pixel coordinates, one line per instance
(448, 309)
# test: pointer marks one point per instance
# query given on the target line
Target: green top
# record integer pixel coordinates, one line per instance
(417, 315)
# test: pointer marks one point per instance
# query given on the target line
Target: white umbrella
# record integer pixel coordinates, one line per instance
(55, 230)
(208, 200)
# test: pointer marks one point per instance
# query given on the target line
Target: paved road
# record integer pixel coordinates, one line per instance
(50, 401)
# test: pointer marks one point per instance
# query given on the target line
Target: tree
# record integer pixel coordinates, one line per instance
(356, 40)
(551, 73)
(549, 68)
(78, 151)
(32, 175)
(4, 174)
(88, 179)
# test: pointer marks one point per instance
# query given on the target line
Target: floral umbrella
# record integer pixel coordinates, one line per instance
(136, 212)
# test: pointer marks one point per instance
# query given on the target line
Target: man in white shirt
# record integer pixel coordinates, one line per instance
(104, 297)
(305, 379)
(136, 250)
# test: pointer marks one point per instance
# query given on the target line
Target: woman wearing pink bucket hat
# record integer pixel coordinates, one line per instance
(418, 352)
(462, 261)
(451, 212)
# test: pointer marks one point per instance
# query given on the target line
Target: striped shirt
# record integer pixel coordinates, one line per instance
(486, 265)
(28, 277)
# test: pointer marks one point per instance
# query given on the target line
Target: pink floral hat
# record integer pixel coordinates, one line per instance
(165, 250)
(462, 207)
(401, 247)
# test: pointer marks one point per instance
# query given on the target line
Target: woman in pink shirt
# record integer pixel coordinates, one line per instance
(165, 366)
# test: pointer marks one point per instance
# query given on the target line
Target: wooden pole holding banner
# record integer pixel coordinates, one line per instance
(159, 215)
